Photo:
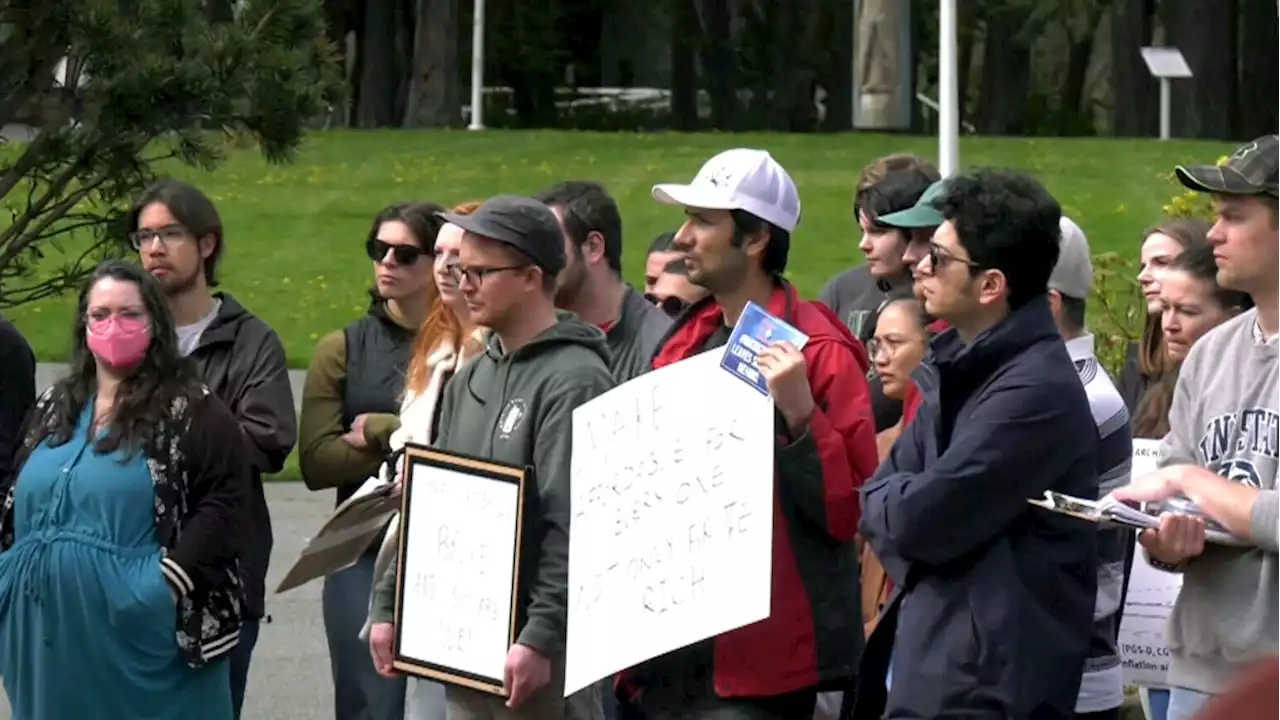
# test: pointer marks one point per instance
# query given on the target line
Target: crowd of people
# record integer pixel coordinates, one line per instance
(947, 380)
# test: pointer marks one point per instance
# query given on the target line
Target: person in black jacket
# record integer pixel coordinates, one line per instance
(178, 234)
(993, 601)
(17, 392)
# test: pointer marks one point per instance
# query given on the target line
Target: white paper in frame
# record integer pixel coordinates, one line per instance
(458, 575)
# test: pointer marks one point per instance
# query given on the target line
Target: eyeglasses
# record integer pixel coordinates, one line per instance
(671, 305)
(167, 235)
(940, 256)
(887, 345)
(404, 254)
(476, 275)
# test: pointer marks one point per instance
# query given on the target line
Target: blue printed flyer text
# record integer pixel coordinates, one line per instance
(755, 331)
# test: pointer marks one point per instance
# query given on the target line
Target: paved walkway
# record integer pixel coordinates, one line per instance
(289, 679)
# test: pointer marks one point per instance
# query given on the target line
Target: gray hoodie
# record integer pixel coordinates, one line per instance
(1225, 417)
(517, 408)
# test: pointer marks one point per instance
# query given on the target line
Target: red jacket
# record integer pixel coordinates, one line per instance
(812, 636)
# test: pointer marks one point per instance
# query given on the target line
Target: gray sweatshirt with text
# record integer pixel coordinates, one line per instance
(1226, 417)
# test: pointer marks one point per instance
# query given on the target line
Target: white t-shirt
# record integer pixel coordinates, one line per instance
(189, 335)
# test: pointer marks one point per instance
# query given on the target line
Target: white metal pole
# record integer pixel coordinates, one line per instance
(948, 92)
(477, 67)
(1166, 108)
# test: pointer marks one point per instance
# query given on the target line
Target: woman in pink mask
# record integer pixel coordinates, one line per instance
(119, 577)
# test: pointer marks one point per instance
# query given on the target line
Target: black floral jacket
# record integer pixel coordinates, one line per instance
(201, 484)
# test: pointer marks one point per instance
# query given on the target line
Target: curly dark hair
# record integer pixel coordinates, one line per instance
(144, 398)
(1006, 221)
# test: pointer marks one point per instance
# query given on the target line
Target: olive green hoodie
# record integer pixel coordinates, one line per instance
(517, 408)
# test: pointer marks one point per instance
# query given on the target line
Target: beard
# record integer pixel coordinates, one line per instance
(569, 286)
(176, 284)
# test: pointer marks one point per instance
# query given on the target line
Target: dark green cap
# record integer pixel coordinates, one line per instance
(921, 215)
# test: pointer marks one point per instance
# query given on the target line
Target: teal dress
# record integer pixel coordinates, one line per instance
(87, 619)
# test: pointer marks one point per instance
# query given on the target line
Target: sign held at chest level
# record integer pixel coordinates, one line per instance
(671, 533)
(458, 578)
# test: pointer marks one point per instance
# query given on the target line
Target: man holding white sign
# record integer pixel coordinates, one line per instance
(740, 212)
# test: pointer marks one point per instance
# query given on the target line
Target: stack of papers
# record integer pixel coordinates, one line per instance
(1110, 512)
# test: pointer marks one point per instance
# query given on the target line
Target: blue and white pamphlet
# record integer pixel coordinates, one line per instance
(755, 331)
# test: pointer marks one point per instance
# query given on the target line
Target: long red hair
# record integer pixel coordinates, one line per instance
(442, 325)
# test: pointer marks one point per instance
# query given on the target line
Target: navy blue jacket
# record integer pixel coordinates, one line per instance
(993, 605)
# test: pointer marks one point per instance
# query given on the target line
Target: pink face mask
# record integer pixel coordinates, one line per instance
(120, 342)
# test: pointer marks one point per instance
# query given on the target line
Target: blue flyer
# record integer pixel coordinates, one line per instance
(755, 331)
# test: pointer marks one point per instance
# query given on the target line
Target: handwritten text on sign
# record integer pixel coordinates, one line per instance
(1149, 602)
(459, 565)
(672, 496)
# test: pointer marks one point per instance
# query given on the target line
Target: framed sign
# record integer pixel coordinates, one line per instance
(458, 579)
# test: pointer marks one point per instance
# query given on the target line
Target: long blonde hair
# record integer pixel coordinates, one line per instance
(442, 326)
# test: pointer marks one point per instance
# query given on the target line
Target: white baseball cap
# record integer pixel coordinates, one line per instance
(1073, 275)
(739, 179)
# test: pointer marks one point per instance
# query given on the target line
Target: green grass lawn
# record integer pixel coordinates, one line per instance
(295, 233)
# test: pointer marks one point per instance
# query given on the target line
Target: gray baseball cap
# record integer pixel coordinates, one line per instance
(921, 215)
(520, 222)
(1073, 274)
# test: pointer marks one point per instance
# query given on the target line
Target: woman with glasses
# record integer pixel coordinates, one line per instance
(120, 589)
(350, 407)
(446, 340)
(900, 338)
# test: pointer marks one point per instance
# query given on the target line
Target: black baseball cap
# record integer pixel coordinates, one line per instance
(1251, 170)
(520, 222)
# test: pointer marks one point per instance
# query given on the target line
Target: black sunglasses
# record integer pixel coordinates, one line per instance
(404, 254)
(671, 305)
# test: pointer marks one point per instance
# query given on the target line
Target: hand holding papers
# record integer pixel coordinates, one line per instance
(1111, 512)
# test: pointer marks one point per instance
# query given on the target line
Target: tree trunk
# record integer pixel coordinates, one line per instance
(1258, 69)
(967, 29)
(433, 97)
(684, 65)
(837, 75)
(1135, 110)
(379, 80)
(1006, 73)
(784, 111)
(1208, 104)
(718, 65)
(341, 28)
(220, 11)
(1075, 114)
(525, 36)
